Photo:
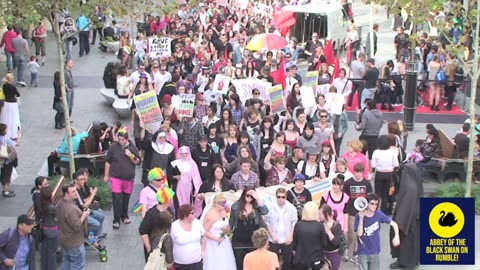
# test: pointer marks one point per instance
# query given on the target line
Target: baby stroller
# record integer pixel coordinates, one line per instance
(94, 242)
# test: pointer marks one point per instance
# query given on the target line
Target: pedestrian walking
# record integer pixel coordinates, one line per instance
(33, 66)
(70, 85)
(39, 36)
(8, 47)
(20, 55)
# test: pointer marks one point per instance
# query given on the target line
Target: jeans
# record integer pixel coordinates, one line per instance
(10, 62)
(356, 86)
(367, 93)
(73, 258)
(70, 99)
(48, 251)
(368, 262)
(95, 221)
(34, 78)
(20, 63)
(83, 40)
(68, 49)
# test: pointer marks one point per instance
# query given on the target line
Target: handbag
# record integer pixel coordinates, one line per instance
(4, 150)
(156, 259)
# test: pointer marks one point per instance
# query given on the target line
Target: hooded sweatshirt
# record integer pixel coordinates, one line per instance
(372, 121)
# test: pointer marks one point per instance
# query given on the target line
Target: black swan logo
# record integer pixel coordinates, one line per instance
(447, 220)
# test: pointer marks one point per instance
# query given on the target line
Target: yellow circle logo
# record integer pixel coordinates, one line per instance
(446, 220)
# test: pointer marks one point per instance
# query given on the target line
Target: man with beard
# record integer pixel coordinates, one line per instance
(407, 216)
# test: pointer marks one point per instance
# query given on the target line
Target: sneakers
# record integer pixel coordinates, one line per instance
(22, 84)
(9, 194)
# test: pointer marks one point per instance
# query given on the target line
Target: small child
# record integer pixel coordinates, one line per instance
(34, 67)
(416, 156)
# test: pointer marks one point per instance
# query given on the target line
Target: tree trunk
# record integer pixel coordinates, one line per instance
(61, 66)
(473, 94)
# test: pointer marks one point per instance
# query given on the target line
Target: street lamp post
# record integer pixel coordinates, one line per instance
(409, 108)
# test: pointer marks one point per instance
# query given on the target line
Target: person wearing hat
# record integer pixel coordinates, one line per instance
(370, 78)
(202, 79)
(18, 247)
(156, 222)
(310, 167)
(148, 195)
(204, 157)
(189, 131)
(159, 153)
(298, 195)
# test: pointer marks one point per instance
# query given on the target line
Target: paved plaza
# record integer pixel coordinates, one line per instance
(125, 249)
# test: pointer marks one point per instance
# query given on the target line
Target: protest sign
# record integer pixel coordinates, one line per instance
(159, 46)
(277, 102)
(311, 78)
(186, 106)
(322, 89)
(308, 97)
(148, 110)
(334, 103)
(244, 89)
(221, 84)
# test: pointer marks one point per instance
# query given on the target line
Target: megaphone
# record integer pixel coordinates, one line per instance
(360, 203)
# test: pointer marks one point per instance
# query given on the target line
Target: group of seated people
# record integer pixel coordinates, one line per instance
(96, 139)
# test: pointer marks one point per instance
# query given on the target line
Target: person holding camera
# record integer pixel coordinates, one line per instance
(70, 219)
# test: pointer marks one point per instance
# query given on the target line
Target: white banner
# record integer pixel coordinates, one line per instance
(244, 89)
(159, 46)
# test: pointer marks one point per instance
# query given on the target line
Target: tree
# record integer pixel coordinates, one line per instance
(19, 12)
(468, 18)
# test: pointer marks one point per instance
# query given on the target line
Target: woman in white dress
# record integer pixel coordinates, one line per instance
(218, 249)
(10, 114)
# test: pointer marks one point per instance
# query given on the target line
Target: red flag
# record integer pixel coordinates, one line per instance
(328, 52)
(336, 69)
(284, 19)
(280, 74)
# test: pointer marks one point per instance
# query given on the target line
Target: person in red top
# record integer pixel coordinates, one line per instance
(40, 35)
(7, 42)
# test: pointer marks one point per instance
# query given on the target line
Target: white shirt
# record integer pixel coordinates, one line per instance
(160, 79)
(281, 220)
(187, 246)
(341, 87)
(124, 85)
(290, 82)
(135, 77)
(140, 45)
(384, 160)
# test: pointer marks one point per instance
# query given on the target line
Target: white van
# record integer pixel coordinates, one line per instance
(324, 18)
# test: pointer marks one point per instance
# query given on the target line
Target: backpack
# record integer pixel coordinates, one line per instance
(156, 259)
(459, 76)
(342, 247)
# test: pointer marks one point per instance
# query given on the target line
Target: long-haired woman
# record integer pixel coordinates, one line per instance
(245, 218)
(333, 230)
(48, 218)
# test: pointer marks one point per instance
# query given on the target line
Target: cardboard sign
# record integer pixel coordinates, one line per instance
(334, 103)
(159, 46)
(149, 111)
(244, 89)
(311, 78)
(277, 102)
(322, 89)
(221, 84)
(308, 97)
(186, 106)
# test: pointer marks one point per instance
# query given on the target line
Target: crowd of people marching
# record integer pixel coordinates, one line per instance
(192, 166)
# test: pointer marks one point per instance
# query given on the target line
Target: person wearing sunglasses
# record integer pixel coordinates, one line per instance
(367, 226)
(245, 218)
(280, 220)
(148, 195)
